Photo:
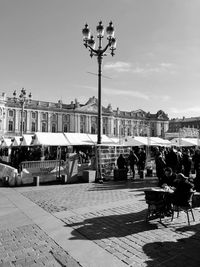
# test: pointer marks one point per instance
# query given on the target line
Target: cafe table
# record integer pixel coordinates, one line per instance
(157, 199)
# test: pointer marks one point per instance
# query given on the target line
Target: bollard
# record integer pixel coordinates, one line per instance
(36, 180)
(64, 179)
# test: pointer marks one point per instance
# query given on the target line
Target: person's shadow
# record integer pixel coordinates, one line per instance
(110, 226)
(182, 252)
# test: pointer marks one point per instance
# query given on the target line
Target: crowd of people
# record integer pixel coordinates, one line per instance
(185, 161)
(136, 159)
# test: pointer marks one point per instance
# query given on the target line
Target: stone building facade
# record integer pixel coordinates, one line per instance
(183, 127)
(41, 116)
(176, 124)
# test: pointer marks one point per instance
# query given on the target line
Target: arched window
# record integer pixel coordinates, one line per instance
(65, 128)
(93, 129)
(10, 126)
(44, 127)
(33, 127)
(53, 128)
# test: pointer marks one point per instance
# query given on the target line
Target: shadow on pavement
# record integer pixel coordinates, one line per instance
(127, 184)
(182, 252)
(110, 226)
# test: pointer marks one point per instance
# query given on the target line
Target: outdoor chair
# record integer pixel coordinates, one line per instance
(186, 208)
(156, 205)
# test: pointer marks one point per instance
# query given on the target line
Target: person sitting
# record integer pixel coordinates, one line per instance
(121, 162)
(183, 190)
(168, 179)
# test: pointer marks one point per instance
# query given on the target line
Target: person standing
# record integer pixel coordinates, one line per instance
(121, 162)
(132, 161)
(141, 162)
(187, 163)
(160, 166)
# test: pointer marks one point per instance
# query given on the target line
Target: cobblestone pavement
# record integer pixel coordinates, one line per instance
(121, 229)
(61, 198)
(28, 245)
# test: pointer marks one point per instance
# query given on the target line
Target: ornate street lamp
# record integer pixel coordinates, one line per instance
(22, 99)
(89, 43)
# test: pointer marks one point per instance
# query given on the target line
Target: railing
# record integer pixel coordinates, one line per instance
(45, 166)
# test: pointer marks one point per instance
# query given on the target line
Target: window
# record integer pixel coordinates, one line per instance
(44, 127)
(33, 115)
(65, 128)
(44, 116)
(10, 113)
(54, 117)
(82, 128)
(94, 119)
(93, 129)
(82, 123)
(53, 128)
(33, 127)
(10, 126)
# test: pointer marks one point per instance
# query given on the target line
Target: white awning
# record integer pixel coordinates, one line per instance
(160, 142)
(6, 142)
(185, 142)
(78, 139)
(133, 141)
(16, 141)
(145, 141)
(50, 139)
(105, 140)
(26, 140)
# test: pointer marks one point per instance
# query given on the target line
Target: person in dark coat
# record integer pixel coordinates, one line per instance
(141, 160)
(160, 166)
(168, 179)
(132, 161)
(187, 162)
(183, 190)
(121, 162)
(172, 160)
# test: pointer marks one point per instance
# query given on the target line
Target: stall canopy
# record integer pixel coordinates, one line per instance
(105, 140)
(26, 140)
(16, 141)
(78, 139)
(6, 142)
(135, 141)
(185, 142)
(160, 142)
(50, 139)
(146, 141)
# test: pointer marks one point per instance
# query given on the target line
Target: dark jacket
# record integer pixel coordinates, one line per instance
(121, 162)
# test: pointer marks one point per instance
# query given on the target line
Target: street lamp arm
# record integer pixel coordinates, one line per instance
(92, 49)
(106, 47)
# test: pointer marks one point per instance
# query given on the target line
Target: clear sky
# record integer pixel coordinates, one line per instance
(157, 61)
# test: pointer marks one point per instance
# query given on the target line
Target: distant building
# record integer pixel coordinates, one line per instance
(184, 127)
(41, 116)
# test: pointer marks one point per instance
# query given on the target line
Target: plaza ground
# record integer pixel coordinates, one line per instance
(92, 225)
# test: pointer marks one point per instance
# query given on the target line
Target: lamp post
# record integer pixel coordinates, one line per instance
(23, 99)
(89, 43)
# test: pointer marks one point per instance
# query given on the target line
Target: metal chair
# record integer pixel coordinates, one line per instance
(186, 208)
